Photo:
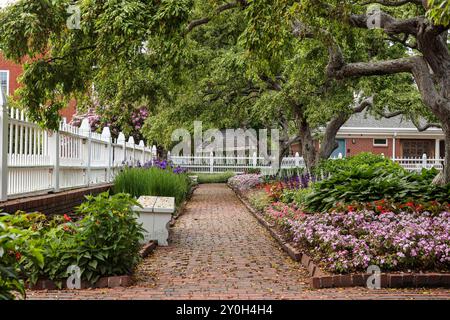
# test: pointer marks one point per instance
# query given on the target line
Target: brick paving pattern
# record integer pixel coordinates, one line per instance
(219, 251)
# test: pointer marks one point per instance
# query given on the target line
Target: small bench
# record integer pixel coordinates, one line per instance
(155, 216)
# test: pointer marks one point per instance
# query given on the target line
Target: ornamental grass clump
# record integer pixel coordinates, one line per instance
(153, 182)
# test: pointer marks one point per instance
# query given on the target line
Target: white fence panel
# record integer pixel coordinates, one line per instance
(36, 161)
(28, 160)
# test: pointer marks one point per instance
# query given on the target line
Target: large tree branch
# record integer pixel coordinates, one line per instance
(329, 143)
(386, 22)
(420, 127)
(426, 126)
(227, 6)
(397, 3)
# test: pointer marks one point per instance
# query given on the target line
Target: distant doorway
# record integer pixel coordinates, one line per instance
(341, 149)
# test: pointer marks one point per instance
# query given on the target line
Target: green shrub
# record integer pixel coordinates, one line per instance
(105, 242)
(259, 200)
(204, 178)
(16, 245)
(108, 240)
(296, 196)
(365, 183)
(332, 166)
(152, 182)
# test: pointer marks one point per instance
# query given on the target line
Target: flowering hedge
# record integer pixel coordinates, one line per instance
(245, 181)
(347, 242)
(282, 215)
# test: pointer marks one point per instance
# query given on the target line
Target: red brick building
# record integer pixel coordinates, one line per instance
(395, 138)
(9, 80)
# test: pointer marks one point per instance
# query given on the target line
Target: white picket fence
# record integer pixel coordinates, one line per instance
(37, 161)
(212, 163)
(237, 164)
(417, 164)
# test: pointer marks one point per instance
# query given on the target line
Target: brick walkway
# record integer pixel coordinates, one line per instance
(219, 251)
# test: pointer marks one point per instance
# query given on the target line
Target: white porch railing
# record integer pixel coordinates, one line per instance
(417, 164)
(37, 161)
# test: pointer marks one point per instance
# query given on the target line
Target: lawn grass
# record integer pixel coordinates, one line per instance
(205, 178)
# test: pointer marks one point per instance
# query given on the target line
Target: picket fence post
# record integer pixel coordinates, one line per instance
(211, 162)
(106, 136)
(3, 146)
(85, 130)
(133, 154)
(154, 152)
(54, 154)
(297, 160)
(142, 148)
(123, 143)
(424, 161)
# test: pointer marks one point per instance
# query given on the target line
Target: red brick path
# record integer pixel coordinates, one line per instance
(219, 251)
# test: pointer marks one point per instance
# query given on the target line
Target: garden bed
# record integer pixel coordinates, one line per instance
(103, 282)
(323, 279)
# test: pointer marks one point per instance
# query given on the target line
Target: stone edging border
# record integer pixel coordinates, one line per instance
(105, 282)
(320, 280)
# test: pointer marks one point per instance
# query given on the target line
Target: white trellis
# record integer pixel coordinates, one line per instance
(37, 161)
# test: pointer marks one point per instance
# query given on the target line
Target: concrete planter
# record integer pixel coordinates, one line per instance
(155, 217)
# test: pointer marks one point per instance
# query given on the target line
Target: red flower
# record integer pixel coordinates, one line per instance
(380, 208)
(18, 256)
(410, 204)
(67, 218)
(350, 208)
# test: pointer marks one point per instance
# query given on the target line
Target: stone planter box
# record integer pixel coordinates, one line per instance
(155, 217)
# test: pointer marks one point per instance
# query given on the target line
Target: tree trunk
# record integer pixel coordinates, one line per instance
(309, 151)
(446, 170)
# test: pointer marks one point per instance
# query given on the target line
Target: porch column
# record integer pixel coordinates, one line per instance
(437, 152)
(394, 142)
(438, 149)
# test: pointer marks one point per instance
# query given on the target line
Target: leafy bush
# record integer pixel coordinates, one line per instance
(109, 237)
(204, 178)
(153, 182)
(371, 183)
(297, 197)
(105, 242)
(16, 245)
(259, 200)
(332, 166)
